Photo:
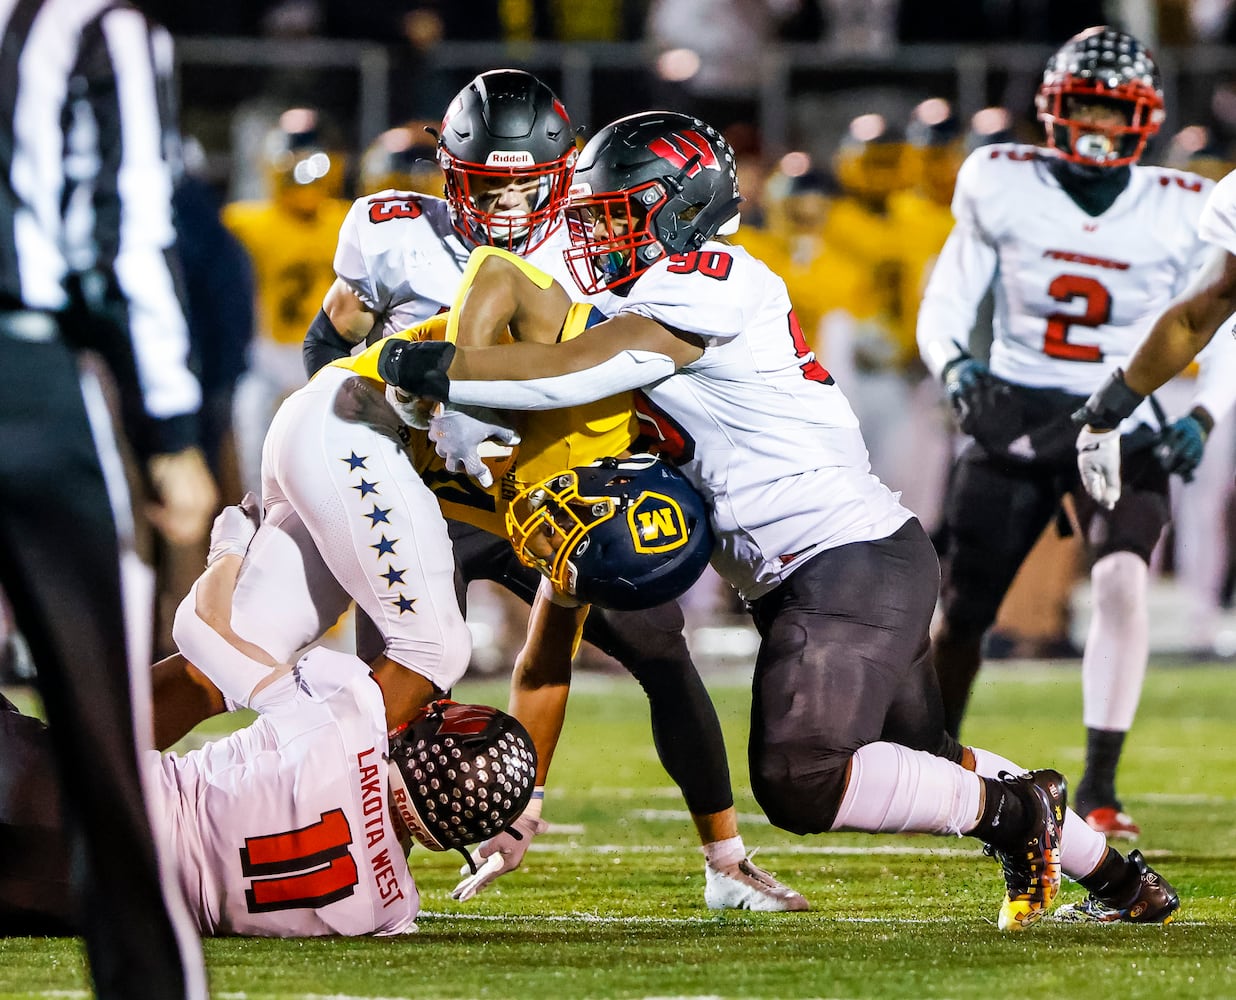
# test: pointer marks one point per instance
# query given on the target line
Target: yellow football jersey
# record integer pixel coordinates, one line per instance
(922, 225)
(818, 276)
(293, 261)
(550, 440)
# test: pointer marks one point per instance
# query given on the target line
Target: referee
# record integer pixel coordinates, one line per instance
(85, 235)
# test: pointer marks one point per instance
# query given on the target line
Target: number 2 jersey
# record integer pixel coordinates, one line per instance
(1074, 293)
(282, 829)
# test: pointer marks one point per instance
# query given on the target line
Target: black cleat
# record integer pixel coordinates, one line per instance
(1154, 901)
(1032, 870)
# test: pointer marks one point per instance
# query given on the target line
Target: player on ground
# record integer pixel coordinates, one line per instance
(299, 824)
(847, 729)
(1083, 246)
(507, 150)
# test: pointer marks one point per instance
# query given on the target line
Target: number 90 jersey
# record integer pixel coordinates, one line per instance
(1074, 293)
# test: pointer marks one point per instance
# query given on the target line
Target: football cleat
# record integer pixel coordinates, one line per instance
(1153, 902)
(746, 886)
(1032, 869)
(1112, 821)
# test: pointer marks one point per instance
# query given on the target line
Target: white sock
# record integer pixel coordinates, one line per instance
(1118, 643)
(724, 852)
(1081, 848)
(893, 789)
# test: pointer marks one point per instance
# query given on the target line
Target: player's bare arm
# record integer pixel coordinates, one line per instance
(1185, 327)
(626, 332)
(508, 293)
(350, 317)
(541, 680)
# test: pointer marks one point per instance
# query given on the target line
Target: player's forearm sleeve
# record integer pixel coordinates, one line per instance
(626, 370)
(323, 344)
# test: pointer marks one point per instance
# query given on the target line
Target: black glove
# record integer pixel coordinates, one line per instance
(965, 381)
(1182, 444)
(417, 367)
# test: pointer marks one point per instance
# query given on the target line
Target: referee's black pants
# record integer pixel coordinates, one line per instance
(60, 568)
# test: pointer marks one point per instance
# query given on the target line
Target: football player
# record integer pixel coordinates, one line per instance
(288, 236)
(1083, 247)
(507, 150)
(297, 825)
(846, 723)
(1184, 328)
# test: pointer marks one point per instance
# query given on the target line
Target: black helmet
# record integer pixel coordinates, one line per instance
(460, 774)
(626, 534)
(506, 127)
(648, 186)
(1103, 66)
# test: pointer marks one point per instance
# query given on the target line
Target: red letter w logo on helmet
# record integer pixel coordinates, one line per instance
(679, 147)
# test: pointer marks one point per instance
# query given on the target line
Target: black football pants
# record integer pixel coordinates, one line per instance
(844, 661)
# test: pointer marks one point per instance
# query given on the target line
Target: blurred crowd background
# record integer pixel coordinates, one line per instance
(850, 119)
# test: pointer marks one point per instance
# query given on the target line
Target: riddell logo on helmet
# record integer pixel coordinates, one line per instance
(680, 147)
(509, 158)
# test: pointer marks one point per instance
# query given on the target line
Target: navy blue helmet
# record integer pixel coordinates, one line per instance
(625, 533)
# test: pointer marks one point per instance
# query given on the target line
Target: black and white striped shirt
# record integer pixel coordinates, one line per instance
(85, 195)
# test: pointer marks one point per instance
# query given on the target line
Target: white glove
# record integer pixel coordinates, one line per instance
(458, 437)
(498, 855)
(1098, 461)
(413, 410)
(234, 529)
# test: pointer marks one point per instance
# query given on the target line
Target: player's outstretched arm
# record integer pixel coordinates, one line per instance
(1185, 327)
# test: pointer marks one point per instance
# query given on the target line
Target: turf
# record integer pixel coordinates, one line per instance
(610, 903)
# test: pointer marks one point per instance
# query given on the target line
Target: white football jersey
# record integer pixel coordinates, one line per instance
(1218, 222)
(1074, 293)
(756, 423)
(402, 257)
(283, 828)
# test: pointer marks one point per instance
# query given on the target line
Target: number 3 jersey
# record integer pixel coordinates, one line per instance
(282, 829)
(1074, 293)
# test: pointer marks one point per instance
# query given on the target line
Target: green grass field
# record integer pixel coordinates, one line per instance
(610, 902)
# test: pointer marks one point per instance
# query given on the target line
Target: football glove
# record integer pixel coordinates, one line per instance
(499, 855)
(457, 437)
(964, 380)
(234, 529)
(417, 367)
(1098, 461)
(1180, 449)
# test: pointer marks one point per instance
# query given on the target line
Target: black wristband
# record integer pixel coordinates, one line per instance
(417, 367)
(1203, 417)
(323, 344)
(1110, 404)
